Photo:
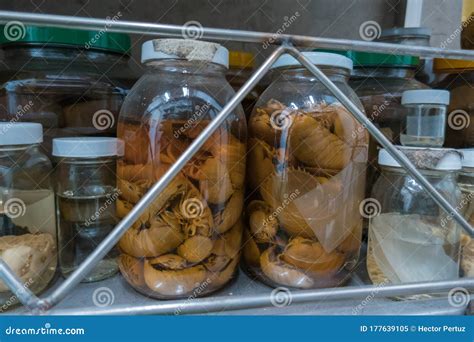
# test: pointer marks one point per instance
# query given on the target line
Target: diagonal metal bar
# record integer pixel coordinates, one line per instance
(225, 34)
(391, 149)
(21, 291)
(111, 240)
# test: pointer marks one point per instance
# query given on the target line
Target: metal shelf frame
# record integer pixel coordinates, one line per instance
(283, 44)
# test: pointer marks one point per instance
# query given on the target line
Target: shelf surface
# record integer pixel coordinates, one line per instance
(80, 301)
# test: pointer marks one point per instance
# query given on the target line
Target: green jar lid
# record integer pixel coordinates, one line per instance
(15, 32)
(371, 59)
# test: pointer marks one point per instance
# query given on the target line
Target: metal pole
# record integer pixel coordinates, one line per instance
(21, 291)
(396, 154)
(226, 34)
(216, 304)
(106, 245)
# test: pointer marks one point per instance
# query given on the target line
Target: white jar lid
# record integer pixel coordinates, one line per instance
(20, 133)
(427, 158)
(425, 96)
(189, 49)
(468, 157)
(87, 147)
(317, 58)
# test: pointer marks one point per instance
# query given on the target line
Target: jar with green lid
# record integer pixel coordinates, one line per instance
(28, 222)
(457, 76)
(71, 81)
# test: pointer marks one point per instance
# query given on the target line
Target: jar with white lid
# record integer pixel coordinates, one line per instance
(466, 184)
(28, 224)
(410, 237)
(188, 241)
(86, 195)
(425, 122)
(306, 175)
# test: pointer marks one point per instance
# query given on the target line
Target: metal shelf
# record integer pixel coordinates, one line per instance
(259, 296)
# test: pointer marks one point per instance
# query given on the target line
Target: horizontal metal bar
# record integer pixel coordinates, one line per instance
(380, 137)
(164, 30)
(215, 304)
(106, 245)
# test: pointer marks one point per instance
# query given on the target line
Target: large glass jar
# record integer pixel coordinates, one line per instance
(457, 76)
(188, 241)
(86, 196)
(306, 174)
(466, 184)
(410, 237)
(65, 79)
(28, 225)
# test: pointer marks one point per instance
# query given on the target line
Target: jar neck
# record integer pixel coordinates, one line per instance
(85, 161)
(294, 74)
(427, 173)
(392, 72)
(186, 67)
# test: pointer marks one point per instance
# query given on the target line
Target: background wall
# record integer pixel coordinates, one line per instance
(325, 18)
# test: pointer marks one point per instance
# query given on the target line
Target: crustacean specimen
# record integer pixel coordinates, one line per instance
(297, 225)
(189, 238)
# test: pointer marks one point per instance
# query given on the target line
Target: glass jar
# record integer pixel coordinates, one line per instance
(65, 79)
(86, 195)
(425, 122)
(306, 174)
(241, 67)
(466, 184)
(411, 239)
(188, 242)
(457, 76)
(28, 228)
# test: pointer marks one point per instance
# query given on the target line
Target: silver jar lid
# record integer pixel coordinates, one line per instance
(317, 58)
(87, 147)
(186, 49)
(467, 157)
(440, 159)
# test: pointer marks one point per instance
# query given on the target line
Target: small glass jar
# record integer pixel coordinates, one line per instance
(466, 184)
(411, 239)
(28, 223)
(425, 122)
(188, 241)
(71, 81)
(306, 175)
(86, 195)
